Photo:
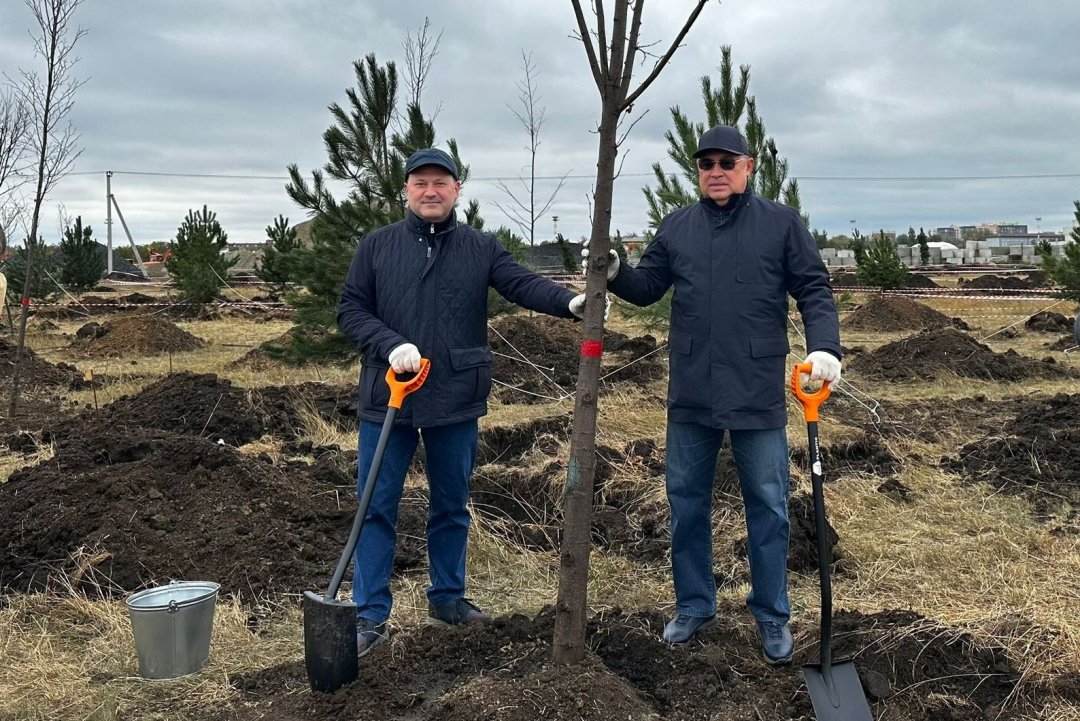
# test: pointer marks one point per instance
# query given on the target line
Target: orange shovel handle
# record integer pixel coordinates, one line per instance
(811, 402)
(400, 389)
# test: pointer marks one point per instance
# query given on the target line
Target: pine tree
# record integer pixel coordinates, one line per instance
(42, 287)
(369, 157)
(725, 106)
(515, 244)
(924, 248)
(1064, 271)
(281, 240)
(197, 264)
(880, 266)
(570, 263)
(84, 260)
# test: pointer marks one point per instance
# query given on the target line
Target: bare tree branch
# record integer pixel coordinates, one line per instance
(583, 29)
(420, 52)
(667, 56)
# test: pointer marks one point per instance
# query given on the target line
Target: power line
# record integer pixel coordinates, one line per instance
(800, 178)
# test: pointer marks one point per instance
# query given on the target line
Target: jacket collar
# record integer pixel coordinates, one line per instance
(418, 225)
(736, 201)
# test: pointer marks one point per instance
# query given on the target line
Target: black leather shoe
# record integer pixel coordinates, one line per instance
(777, 646)
(682, 628)
(369, 635)
(456, 613)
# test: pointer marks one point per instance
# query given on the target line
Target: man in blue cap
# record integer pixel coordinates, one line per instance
(419, 287)
(733, 259)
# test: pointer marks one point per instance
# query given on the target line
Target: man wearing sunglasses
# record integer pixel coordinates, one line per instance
(733, 259)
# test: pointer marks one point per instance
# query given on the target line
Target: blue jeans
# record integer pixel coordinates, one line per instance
(450, 455)
(761, 459)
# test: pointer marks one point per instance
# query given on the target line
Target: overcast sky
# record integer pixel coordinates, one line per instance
(874, 104)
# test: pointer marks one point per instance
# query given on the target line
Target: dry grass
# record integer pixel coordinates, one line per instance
(968, 559)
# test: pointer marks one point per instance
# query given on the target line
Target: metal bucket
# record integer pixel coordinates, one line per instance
(172, 627)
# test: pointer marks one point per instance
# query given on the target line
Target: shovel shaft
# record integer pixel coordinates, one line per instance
(361, 511)
(824, 552)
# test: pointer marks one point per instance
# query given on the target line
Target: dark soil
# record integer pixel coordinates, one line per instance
(1064, 343)
(866, 454)
(36, 372)
(995, 282)
(1047, 321)
(919, 280)
(843, 280)
(1035, 456)
(911, 669)
(536, 359)
(892, 313)
(946, 352)
(137, 335)
(148, 506)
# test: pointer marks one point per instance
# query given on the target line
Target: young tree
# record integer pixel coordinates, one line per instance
(281, 240)
(569, 261)
(858, 244)
(515, 245)
(84, 260)
(369, 157)
(38, 286)
(523, 210)
(53, 141)
(197, 263)
(611, 59)
(1064, 271)
(14, 146)
(924, 247)
(726, 105)
(880, 266)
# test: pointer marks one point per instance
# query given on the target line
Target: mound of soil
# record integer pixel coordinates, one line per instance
(948, 351)
(891, 313)
(912, 670)
(919, 280)
(211, 407)
(536, 359)
(1038, 279)
(866, 454)
(995, 282)
(138, 335)
(149, 506)
(1047, 321)
(36, 372)
(843, 280)
(1063, 343)
(1036, 458)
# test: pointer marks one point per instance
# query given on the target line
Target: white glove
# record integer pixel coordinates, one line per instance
(405, 359)
(612, 266)
(826, 366)
(577, 305)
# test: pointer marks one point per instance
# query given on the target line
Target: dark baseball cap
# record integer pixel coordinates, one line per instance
(722, 137)
(431, 156)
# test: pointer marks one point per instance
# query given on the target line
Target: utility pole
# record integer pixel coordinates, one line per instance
(555, 225)
(108, 219)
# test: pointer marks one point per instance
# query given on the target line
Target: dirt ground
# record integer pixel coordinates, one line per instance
(892, 313)
(950, 352)
(912, 670)
(134, 335)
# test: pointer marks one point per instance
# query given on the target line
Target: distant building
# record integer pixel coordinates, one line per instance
(951, 231)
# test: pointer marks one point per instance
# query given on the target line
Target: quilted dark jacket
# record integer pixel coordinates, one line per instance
(426, 284)
(732, 272)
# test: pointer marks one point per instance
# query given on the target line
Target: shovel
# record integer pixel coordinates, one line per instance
(329, 624)
(834, 687)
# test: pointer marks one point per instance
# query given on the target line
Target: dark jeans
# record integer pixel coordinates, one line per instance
(450, 453)
(761, 460)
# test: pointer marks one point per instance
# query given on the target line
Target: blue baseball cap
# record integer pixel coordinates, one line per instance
(722, 137)
(431, 156)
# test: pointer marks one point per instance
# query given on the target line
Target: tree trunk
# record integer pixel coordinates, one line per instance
(571, 607)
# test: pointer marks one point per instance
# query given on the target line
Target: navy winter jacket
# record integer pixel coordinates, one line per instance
(426, 284)
(732, 273)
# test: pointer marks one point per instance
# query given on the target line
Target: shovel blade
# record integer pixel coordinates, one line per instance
(329, 643)
(836, 692)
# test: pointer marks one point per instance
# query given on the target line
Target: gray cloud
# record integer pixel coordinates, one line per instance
(848, 89)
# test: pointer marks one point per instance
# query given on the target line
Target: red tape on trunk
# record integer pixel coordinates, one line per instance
(592, 348)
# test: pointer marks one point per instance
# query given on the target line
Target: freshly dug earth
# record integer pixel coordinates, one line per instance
(149, 506)
(995, 282)
(536, 359)
(138, 335)
(1037, 456)
(1047, 321)
(892, 313)
(948, 351)
(912, 670)
(919, 280)
(36, 372)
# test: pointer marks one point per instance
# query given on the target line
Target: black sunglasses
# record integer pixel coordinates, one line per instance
(724, 163)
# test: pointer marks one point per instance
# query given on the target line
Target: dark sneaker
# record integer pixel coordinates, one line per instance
(456, 613)
(682, 628)
(369, 634)
(776, 643)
